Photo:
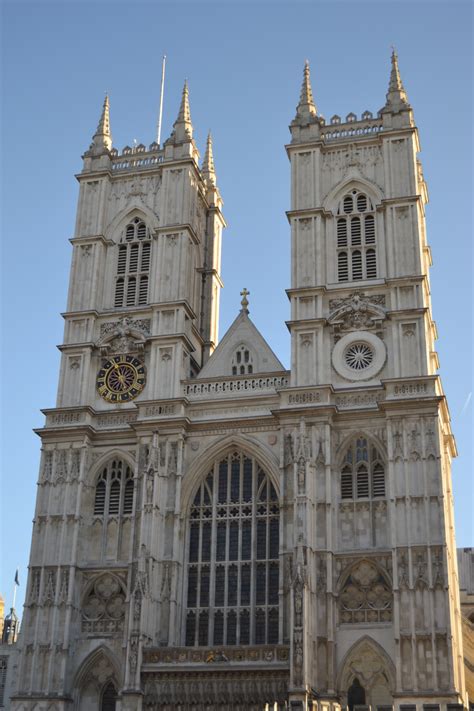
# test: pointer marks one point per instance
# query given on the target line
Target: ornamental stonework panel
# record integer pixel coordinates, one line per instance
(103, 608)
(366, 596)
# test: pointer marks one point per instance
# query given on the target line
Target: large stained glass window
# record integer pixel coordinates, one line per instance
(233, 565)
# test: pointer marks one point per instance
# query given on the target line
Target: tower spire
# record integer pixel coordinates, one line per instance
(102, 137)
(306, 107)
(208, 169)
(396, 94)
(182, 126)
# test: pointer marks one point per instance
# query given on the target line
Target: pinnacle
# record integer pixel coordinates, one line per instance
(306, 106)
(208, 169)
(183, 125)
(103, 136)
(396, 95)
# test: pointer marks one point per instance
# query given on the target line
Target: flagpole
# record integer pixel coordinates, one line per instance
(160, 115)
(15, 585)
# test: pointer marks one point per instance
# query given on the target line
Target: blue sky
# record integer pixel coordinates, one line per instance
(243, 62)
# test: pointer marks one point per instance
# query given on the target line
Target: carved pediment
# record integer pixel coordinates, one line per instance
(357, 312)
(126, 335)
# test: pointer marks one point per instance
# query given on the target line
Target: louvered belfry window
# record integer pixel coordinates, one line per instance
(114, 490)
(133, 265)
(362, 473)
(355, 238)
(233, 557)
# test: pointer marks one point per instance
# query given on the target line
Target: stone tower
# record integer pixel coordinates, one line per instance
(378, 516)
(213, 531)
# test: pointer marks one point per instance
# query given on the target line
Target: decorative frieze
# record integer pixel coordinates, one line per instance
(189, 655)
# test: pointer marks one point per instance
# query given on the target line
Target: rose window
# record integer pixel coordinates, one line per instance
(359, 356)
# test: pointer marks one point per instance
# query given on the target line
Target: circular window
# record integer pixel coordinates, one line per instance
(359, 356)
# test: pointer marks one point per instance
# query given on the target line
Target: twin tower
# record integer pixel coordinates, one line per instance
(213, 531)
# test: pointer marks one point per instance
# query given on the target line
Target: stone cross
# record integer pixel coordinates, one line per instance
(244, 293)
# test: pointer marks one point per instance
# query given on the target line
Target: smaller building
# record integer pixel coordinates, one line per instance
(9, 630)
(466, 589)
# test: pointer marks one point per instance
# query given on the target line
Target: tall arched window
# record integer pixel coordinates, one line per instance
(233, 557)
(133, 265)
(355, 238)
(363, 473)
(114, 490)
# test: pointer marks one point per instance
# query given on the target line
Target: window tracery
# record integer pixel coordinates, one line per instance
(363, 473)
(133, 265)
(355, 238)
(233, 557)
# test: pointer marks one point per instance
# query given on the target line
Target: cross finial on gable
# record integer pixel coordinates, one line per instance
(244, 293)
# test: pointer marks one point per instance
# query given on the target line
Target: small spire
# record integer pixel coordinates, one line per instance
(102, 137)
(306, 107)
(244, 303)
(208, 170)
(183, 126)
(396, 95)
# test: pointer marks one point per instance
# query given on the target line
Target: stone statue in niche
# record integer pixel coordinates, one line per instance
(301, 475)
(149, 487)
(133, 655)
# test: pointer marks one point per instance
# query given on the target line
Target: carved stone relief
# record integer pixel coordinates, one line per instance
(47, 466)
(61, 469)
(357, 312)
(126, 335)
(49, 591)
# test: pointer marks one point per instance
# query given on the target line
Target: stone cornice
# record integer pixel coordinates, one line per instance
(173, 229)
(305, 322)
(399, 200)
(116, 313)
(211, 272)
(91, 239)
(394, 397)
(307, 212)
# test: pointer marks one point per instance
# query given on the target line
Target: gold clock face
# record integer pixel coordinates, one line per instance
(121, 378)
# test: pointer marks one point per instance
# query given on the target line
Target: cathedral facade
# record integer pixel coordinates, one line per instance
(213, 531)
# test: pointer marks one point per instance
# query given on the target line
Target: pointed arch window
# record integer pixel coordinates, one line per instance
(114, 490)
(233, 573)
(362, 473)
(355, 231)
(133, 265)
